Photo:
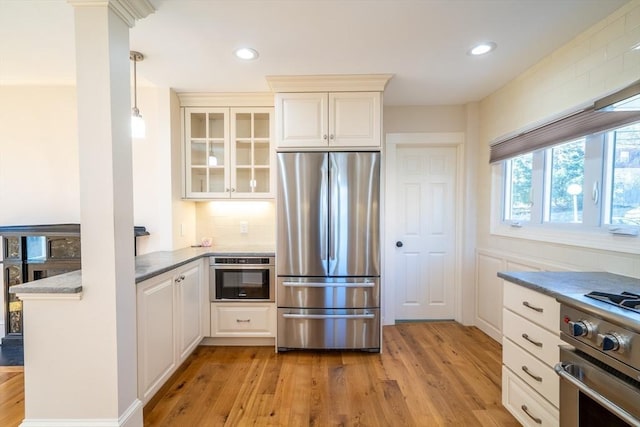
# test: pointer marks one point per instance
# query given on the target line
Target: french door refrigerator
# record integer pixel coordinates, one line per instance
(328, 250)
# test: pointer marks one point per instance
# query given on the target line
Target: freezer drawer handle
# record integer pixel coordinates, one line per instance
(328, 316)
(328, 285)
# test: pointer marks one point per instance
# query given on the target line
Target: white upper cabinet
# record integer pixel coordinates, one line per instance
(228, 152)
(334, 111)
(317, 119)
(355, 119)
(302, 119)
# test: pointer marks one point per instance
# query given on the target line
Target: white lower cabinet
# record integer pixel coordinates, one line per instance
(253, 320)
(189, 297)
(169, 324)
(156, 334)
(530, 387)
(526, 406)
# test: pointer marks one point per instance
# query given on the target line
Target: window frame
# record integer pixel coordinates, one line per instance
(592, 232)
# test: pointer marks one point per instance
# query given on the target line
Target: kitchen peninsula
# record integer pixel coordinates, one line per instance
(173, 311)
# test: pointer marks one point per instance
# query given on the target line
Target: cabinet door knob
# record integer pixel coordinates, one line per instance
(226, 190)
(332, 137)
(233, 190)
(399, 244)
(324, 137)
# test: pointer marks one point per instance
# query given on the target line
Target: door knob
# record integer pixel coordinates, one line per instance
(399, 244)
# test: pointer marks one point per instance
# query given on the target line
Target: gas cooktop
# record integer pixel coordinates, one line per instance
(626, 300)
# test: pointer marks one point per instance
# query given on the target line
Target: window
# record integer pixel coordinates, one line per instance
(566, 179)
(623, 199)
(583, 184)
(518, 188)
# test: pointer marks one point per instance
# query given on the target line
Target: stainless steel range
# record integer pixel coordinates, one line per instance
(600, 375)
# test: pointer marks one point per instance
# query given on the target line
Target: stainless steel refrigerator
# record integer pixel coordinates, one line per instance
(328, 250)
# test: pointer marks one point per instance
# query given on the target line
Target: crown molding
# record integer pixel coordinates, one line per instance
(128, 10)
(329, 83)
(224, 99)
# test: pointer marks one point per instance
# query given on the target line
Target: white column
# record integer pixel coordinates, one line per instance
(88, 373)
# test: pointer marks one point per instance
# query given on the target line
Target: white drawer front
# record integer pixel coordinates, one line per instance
(527, 406)
(539, 376)
(539, 308)
(537, 341)
(243, 320)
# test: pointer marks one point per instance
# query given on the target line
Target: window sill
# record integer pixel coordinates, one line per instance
(596, 239)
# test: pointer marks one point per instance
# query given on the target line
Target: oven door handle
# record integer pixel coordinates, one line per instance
(236, 267)
(561, 370)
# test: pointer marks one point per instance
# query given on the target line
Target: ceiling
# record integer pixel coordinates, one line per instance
(188, 44)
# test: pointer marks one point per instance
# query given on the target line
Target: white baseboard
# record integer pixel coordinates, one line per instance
(132, 417)
(239, 341)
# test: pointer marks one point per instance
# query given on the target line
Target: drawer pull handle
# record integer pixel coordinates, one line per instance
(536, 343)
(243, 320)
(528, 372)
(526, 411)
(538, 309)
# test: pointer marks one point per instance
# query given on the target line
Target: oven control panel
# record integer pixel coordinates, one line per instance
(599, 335)
(242, 261)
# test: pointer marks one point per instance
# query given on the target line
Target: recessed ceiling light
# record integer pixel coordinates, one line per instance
(246, 53)
(482, 48)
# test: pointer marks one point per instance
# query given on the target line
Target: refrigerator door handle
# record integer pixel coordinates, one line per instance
(324, 215)
(328, 316)
(333, 210)
(329, 285)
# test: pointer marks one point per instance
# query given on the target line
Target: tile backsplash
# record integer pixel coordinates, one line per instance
(224, 220)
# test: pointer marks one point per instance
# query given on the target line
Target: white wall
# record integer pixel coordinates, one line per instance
(445, 118)
(597, 62)
(39, 175)
(221, 221)
(39, 171)
(183, 225)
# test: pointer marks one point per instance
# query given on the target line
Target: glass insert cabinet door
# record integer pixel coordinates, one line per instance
(206, 152)
(252, 153)
(229, 152)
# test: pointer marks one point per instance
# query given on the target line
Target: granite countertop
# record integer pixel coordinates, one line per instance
(570, 288)
(147, 266)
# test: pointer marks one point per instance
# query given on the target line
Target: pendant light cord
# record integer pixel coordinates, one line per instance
(135, 57)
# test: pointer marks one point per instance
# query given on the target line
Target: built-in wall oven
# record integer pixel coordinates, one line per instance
(242, 278)
(600, 371)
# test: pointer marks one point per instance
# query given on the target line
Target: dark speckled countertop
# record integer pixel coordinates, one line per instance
(147, 266)
(570, 288)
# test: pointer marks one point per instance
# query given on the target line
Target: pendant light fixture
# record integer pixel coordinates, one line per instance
(137, 123)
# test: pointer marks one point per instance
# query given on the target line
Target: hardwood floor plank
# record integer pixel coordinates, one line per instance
(11, 397)
(429, 374)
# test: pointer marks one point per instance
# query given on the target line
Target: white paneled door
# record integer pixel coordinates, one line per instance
(425, 225)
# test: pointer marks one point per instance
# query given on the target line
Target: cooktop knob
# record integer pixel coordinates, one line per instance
(581, 328)
(610, 342)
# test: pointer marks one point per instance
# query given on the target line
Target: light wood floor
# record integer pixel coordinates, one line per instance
(11, 395)
(429, 374)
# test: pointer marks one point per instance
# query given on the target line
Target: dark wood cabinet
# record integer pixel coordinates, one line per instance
(32, 253)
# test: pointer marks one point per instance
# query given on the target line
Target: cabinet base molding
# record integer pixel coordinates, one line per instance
(239, 341)
(132, 417)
